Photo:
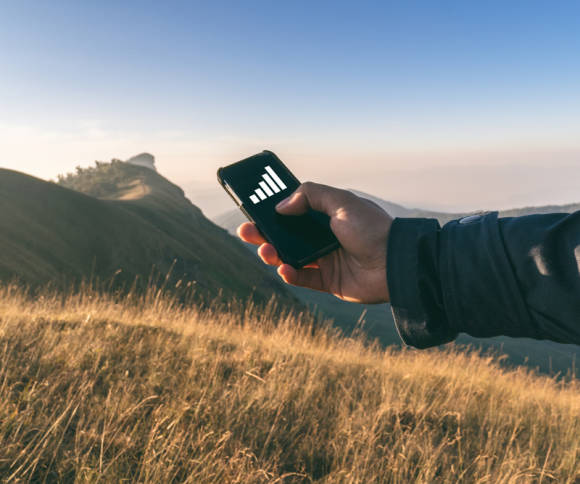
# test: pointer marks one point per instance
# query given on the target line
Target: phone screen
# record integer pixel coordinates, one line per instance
(257, 184)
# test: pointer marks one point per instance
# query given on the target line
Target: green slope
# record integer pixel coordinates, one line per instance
(141, 223)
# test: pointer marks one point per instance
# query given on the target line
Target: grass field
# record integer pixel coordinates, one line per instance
(140, 389)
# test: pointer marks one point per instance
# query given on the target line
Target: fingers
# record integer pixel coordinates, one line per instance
(315, 196)
(269, 255)
(248, 232)
(305, 277)
(267, 252)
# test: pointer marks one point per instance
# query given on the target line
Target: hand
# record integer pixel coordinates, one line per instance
(355, 272)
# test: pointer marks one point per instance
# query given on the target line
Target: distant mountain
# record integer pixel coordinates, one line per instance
(399, 211)
(209, 197)
(123, 220)
(378, 321)
(230, 219)
(518, 212)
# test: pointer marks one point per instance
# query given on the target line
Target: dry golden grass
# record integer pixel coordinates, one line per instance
(103, 389)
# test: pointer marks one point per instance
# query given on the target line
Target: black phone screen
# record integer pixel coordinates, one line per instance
(259, 183)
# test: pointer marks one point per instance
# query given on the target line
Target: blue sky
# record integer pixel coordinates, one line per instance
(402, 99)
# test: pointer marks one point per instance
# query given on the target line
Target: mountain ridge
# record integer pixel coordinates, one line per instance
(121, 221)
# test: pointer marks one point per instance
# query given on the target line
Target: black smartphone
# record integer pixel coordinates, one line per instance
(257, 184)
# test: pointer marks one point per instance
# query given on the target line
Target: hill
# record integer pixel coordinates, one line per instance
(123, 221)
(97, 388)
(378, 322)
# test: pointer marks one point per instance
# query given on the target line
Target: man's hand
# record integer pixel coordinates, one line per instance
(355, 272)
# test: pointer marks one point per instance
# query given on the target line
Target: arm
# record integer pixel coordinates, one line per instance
(482, 276)
(488, 277)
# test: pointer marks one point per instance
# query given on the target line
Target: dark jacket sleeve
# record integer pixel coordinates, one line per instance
(486, 276)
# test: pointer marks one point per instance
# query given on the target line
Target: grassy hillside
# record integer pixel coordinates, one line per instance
(130, 222)
(546, 356)
(103, 390)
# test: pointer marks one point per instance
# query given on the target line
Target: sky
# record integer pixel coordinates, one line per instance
(444, 105)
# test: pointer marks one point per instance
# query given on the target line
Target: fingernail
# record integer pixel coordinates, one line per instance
(282, 203)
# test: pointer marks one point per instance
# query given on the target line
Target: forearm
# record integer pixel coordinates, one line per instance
(486, 278)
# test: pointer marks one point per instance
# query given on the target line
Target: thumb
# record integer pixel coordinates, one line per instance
(309, 195)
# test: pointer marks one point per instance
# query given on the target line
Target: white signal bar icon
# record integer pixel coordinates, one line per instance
(270, 185)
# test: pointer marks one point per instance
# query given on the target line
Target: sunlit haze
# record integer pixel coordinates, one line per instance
(443, 105)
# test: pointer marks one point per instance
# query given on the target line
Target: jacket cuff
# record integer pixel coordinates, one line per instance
(481, 293)
(414, 283)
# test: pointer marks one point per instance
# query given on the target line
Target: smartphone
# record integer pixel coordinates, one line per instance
(257, 184)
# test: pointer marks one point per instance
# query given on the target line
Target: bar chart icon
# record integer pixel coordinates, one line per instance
(270, 184)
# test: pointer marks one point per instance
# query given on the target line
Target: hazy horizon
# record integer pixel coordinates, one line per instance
(456, 107)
